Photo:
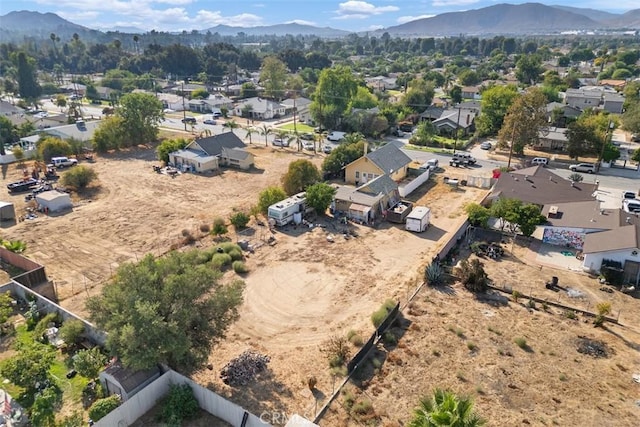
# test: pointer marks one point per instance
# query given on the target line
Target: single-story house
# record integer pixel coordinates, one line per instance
(53, 201)
(561, 114)
(208, 154)
(613, 83)
(259, 109)
(105, 93)
(471, 92)
(76, 88)
(433, 112)
(454, 119)
(612, 103)
(301, 107)
(541, 187)
(213, 103)
(554, 139)
(82, 131)
(185, 89)
(381, 83)
(386, 160)
(368, 202)
(620, 244)
(116, 379)
(172, 101)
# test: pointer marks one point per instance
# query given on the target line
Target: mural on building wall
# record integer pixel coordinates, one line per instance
(563, 237)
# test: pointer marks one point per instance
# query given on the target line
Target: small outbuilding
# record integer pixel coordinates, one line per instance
(53, 201)
(116, 379)
(7, 211)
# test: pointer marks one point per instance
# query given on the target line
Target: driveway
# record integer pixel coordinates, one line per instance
(559, 257)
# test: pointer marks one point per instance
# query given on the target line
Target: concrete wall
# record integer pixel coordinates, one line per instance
(139, 404)
(405, 190)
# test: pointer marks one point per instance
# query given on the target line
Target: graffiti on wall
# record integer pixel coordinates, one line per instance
(563, 237)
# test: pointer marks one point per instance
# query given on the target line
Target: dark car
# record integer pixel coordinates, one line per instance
(189, 120)
(307, 136)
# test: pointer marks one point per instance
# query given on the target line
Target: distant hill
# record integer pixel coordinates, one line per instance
(630, 19)
(278, 30)
(596, 15)
(528, 18)
(15, 25)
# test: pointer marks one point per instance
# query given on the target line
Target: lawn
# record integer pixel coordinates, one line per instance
(301, 127)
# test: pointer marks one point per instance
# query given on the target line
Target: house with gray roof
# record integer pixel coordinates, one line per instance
(386, 160)
(259, 109)
(553, 139)
(368, 202)
(612, 103)
(456, 118)
(208, 154)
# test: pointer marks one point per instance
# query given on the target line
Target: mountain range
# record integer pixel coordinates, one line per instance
(506, 19)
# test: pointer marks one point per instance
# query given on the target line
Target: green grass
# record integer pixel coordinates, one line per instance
(300, 127)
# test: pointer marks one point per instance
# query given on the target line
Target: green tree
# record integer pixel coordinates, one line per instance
(29, 366)
(320, 196)
(231, 125)
(179, 405)
(109, 135)
(334, 92)
(636, 155)
(52, 147)
(273, 76)
(239, 220)
(341, 156)
(506, 210)
(71, 331)
(90, 362)
(528, 69)
(200, 94)
(6, 306)
(79, 177)
(528, 218)
(250, 132)
(526, 118)
(472, 275)
(265, 131)
(300, 175)
(169, 146)
(495, 103)
(588, 133)
(141, 114)
(61, 102)
(445, 409)
(419, 95)
(456, 94)
(28, 86)
(364, 99)
(270, 196)
(44, 408)
(8, 133)
(219, 227)
(165, 310)
(478, 214)
(468, 77)
(631, 118)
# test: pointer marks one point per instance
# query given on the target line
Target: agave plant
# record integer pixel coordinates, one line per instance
(434, 274)
(17, 246)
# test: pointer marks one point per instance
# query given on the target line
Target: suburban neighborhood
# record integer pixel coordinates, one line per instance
(358, 229)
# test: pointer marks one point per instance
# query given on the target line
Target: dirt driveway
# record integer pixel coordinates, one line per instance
(299, 291)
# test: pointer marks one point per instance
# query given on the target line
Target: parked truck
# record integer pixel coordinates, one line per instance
(462, 159)
(399, 212)
(418, 219)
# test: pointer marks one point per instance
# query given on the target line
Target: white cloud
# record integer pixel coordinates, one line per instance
(302, 22)
(405, 19)
(78, 16)
(375, 27)
(361, 9)
(445, 3)
(174, 2)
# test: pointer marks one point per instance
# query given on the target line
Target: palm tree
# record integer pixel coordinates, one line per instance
(265, 131)
(283, 135)
(231, 125)
(250, 131)
(53, 37)
(135, 42)
(445, 409)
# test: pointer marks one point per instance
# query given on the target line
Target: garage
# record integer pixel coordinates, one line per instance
(7, 211)
(53, 201)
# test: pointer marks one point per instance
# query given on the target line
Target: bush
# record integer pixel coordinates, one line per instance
(336, 350)
(312, 382)
(236, 254)
(221, 260)
(180, 404)
(521, 342)
(239, 220)
(71, 331)
(102, 407)
(219, 227)
(78, 177)
(355, 338)
(239, 267)
(434, 274)
(205, 228)
(228, 247)
(389, 338)
(43, 325)
(472, 275)
(379, 315)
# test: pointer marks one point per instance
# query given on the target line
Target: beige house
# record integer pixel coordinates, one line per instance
(208, 154)
(386, 160)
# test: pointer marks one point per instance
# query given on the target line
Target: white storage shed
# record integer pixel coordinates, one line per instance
(7, 211)
(53, 201)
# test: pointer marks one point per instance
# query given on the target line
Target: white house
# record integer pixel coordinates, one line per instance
(208, 154)
(259, 109)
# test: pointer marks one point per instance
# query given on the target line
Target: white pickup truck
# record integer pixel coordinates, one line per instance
(462, 159)
(62, 162)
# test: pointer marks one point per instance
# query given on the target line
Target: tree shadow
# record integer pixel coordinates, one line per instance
(493, 298)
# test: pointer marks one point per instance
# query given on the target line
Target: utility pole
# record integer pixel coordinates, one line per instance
(455, 141)
(184, 111)
(610, 126)
(513, 136)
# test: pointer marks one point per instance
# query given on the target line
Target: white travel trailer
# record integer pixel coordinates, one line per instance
(418, 219)
(282, 213)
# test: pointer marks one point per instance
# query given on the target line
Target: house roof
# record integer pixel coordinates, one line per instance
(8, 109)
(586, 214)
(260, 105)
(348, 193)
(613, 97)
(621, 238)
(128, 378)
(540, 186)
(463, 117)
(236, 153)
(382, 184)
(49, 196)
(470, 105)
(554, 134)
(432, 112)
(193, 155)
(300, 102)
(213, 145)
(80, 132)
(389, 158)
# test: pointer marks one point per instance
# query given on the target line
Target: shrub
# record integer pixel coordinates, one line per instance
(570, 314)
(379, 315)
(90, 362)
(180, 404)
(389, 338)
(239, 267)
(472, 275)
(434, 274)
(516, 295)
(362, 407)
(205, 228)
(349, 400)
(336, 350)
(43, 325)
(221, 260)
(228, 247)
(239, 220)
(236, 254)
(471, 346)
(612, 271)
(575, 177)
(531, 304)
(78, 177)
(219, 227)
(71, 331)
(102, 407)
(521, 342)
(355, 338)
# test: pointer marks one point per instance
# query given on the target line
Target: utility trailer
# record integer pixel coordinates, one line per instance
(418, 219)
(399, 212)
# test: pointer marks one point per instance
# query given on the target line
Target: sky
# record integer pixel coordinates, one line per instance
(351, 15)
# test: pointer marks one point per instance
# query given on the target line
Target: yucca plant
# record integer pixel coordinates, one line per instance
(434, 274)
(17, 246)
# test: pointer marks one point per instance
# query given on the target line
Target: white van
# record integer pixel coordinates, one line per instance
(336, 136)
(540, 161)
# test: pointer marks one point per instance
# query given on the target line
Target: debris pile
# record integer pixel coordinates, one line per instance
(244, 368)
(591, 347)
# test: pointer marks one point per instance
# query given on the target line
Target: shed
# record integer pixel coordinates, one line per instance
(117, 379)
(7, 211)
(53, 201)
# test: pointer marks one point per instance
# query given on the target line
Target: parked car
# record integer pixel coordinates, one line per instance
(631, 206)
(628, 194)
(308, 145)
(279, 142)
(326, 149)
(189, 120)
(62, 162)
(583, 167)
(486, 145)
(431, 165)
(209, 122)
(217, 114)
(307, 136)
(542, 161)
